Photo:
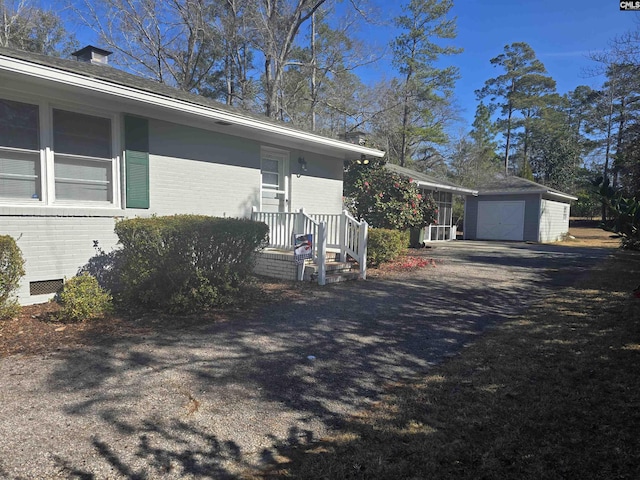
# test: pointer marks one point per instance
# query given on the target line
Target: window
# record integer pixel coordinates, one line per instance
(83, 158)
(270, 174)
(50, 155)
(19, 150)
(274, 181)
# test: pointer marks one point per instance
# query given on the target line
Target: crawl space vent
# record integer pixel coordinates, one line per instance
(45, 287)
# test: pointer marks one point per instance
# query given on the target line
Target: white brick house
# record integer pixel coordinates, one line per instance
(85, 144)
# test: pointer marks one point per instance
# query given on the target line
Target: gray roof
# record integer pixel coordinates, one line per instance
(109, 74)
(114, 75)
(516, 185)
(427, 181)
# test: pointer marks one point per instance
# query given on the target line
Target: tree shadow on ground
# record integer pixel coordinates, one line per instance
(212, 401)
(549, 394)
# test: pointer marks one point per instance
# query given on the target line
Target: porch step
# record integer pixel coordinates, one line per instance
(335, 272)
(341, 277)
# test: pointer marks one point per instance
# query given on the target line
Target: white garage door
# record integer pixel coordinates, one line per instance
(500, 220)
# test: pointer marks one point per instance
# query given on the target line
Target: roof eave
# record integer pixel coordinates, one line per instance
(129, 93)
(448, 188)
(561, 195)
(530, 192)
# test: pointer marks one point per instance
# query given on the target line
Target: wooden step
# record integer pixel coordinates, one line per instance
(338, 271)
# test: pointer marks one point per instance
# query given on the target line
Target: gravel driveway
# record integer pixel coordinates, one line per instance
(212, 401)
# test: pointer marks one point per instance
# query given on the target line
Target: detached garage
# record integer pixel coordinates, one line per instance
(515, 209)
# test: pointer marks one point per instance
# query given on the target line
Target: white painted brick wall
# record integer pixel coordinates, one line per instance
(190, 186)
(201, 172)
(276, 266)
(56, 247)
(316, 195)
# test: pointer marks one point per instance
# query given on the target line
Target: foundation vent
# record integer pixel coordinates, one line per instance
(45, 287)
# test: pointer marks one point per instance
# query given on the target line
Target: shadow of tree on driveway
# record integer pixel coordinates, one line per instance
(217, 400)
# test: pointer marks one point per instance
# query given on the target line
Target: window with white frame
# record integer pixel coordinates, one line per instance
(76, 152)
(82, 157)
(19, 151)
(274, 180)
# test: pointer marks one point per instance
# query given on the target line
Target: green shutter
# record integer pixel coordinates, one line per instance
(137, 162)
(137, 179)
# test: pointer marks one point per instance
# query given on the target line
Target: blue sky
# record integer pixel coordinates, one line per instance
(562, 33)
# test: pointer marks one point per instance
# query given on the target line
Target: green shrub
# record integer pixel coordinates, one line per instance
(11, 271)
(186, 263)
(82, 298)
(624, 211)
(385, 245)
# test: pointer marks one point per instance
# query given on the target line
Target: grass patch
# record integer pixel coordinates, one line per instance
(551, 395)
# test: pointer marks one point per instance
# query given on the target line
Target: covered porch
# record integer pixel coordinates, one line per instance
(442, 192)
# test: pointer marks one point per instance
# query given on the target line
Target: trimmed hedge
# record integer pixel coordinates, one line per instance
(186, 263)
(385, 245)
(11, 271)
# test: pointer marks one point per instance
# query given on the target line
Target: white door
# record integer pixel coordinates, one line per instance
(500, 220)
(275, 183)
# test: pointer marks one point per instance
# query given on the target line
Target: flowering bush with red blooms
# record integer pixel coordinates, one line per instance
(411, 263)
(385, 199)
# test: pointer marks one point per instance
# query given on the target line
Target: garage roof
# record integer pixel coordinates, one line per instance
(427, 181)
(515, 185)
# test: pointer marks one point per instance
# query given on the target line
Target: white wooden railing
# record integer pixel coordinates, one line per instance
(335, 231)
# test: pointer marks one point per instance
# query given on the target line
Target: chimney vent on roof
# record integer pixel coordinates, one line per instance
(91, 54)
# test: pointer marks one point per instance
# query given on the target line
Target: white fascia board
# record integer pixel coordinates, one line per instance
(562, 195)
(534, 192)
(447, 188)
(87, 83)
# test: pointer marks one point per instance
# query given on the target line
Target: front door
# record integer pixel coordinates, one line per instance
(275, 182)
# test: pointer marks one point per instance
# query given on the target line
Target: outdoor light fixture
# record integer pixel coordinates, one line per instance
(363, 160)
(303, 166)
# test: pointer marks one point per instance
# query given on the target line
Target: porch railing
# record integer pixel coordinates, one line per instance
(339, 232)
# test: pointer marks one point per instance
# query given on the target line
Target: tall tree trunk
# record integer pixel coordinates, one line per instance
(605, 170)
(508, 142)
(621, 126)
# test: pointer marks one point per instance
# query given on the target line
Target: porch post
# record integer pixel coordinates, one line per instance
(362, 242)
(343, 236)
(322, 253)
(299, 222)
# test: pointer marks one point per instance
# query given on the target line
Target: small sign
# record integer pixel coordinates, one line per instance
(630, 6)
(302, 247)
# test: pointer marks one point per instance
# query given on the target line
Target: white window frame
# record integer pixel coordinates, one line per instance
(286, 182)
(17, 200)
(47, 154)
